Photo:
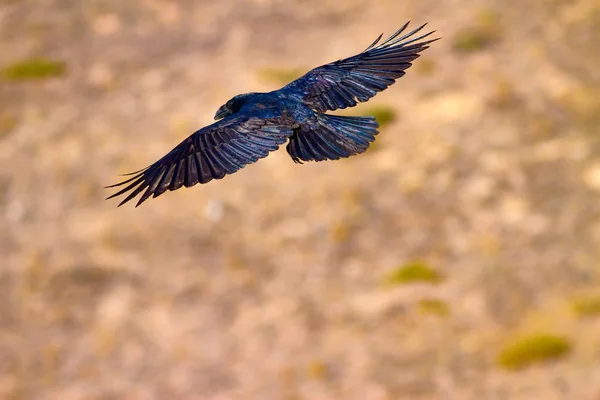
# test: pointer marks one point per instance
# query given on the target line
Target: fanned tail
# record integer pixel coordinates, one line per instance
(332, 137)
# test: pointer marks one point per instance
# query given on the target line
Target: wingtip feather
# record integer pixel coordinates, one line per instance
(375, 42)
(398, 32)
(135, 172)
(121, 183)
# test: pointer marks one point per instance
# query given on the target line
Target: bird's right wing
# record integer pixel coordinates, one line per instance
(210, 153)
(345, 82)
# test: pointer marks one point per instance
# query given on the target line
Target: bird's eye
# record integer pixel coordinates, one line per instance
(229, 104)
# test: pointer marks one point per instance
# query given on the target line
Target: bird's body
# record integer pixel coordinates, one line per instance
(251, 125)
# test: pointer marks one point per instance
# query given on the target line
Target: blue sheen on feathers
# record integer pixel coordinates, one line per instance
(251, 125)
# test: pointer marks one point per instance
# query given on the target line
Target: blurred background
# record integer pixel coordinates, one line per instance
(457, 258)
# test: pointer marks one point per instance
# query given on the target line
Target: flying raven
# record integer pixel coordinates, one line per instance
(251, 125)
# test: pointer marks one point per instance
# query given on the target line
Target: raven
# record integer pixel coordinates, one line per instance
(251, 125)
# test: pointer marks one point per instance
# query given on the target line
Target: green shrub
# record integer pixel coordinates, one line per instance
(473, 40)
(34, 68)
(434, 306)
(280, 76)
(534, 349)
(383, 114)
(587, 306)
(413, 273)
(485, 32)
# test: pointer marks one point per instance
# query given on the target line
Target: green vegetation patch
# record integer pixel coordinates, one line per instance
(485, 32)
(415, 272)
(383, 114)
(280, 76)
(587, 306)
(435, 307)
(534, 349)
(33, 69)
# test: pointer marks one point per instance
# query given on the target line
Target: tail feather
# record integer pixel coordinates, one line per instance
(331, 137)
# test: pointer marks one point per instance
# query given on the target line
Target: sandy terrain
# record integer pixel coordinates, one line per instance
(278, 282)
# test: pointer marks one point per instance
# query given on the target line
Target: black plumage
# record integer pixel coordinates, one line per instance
(251, 125)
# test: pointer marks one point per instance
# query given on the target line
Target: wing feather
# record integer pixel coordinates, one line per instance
(346, 82)
(210, 153)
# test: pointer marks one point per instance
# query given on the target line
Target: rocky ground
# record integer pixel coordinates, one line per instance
(409, 272)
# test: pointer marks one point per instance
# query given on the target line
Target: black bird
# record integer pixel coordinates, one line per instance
(251, 125)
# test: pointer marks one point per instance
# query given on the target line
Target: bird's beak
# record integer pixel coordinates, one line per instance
(221, 112)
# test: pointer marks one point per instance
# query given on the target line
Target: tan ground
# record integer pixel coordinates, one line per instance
(269, 284)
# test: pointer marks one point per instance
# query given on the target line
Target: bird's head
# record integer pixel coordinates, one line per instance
(232, 106)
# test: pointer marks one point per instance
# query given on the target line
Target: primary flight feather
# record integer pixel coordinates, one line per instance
(251, 125)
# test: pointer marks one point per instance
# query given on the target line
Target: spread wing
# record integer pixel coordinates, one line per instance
(355, 79)
(210, 153)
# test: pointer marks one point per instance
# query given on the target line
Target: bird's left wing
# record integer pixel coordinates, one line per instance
(210, 153)
(345, 82)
